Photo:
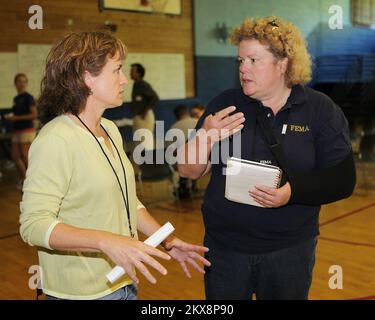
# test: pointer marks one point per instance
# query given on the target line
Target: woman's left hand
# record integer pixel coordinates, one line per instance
(187, 253)
(270, 197)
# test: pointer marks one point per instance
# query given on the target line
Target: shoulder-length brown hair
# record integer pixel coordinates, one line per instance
(63, 89)
(284, 40)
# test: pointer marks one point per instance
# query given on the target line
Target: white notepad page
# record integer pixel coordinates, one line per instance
(242, 175)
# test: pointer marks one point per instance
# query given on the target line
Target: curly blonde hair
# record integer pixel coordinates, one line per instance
(284, 40)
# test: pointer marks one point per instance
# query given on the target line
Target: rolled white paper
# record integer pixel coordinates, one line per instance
(154, 240)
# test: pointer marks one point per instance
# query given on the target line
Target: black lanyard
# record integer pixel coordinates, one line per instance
(256, 125)
(126, 200)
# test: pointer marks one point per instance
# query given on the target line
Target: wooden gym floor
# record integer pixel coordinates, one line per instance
(347, 239)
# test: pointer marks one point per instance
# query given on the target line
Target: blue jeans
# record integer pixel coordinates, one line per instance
(279, 275)
(125, 293)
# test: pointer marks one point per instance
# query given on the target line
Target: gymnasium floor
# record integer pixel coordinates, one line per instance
(347, 240)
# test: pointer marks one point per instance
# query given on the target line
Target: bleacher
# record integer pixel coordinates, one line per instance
(349, 80)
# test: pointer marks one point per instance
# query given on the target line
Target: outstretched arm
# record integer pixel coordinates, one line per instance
(181, 251)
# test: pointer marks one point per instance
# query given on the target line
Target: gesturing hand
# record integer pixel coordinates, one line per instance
(222, 125)
(185, 252)
(270, 197)
(130, 254)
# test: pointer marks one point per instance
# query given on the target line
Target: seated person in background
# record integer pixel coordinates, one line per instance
(184, 123)
(367, 141)
(367, 148)
(184, 120)
(197, 111)
(144, 102)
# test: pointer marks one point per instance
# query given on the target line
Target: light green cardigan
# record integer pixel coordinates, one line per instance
(69, 180)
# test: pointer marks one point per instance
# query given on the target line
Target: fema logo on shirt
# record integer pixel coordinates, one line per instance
(266, 161)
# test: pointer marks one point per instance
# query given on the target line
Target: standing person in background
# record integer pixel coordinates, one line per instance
(144, 102)
(24, 113)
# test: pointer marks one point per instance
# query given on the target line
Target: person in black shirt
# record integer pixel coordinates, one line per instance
(269, 251)
(144, 102)
(24, 112)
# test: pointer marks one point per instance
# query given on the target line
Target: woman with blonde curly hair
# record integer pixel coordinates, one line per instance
(268, 249)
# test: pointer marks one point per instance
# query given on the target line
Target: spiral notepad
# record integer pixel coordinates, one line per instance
(242, 175)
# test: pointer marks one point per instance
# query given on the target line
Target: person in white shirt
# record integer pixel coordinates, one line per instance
(184, 121)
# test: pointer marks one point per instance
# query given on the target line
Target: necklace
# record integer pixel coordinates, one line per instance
(126, 200)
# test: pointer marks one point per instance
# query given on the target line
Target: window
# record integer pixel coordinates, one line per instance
(363, 13)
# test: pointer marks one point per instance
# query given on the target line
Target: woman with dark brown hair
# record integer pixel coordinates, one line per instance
(80, 204)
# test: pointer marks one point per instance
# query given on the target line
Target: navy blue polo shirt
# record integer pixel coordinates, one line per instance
(315, 136)
(21, 107)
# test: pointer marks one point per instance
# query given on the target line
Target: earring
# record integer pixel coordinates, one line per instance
(90, 92)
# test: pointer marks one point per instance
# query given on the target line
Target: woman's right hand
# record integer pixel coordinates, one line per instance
(130, 254)
(220, 125)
